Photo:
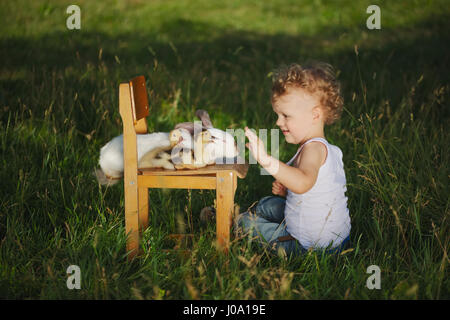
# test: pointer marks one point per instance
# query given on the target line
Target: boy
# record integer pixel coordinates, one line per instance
(314, 213)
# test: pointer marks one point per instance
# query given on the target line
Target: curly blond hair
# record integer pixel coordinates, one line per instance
(316, 78)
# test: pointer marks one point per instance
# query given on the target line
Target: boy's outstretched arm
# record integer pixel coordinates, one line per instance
(297, 179)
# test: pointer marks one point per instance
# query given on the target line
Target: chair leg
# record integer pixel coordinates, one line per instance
(132, 219)
(225, 205)
(143, 208)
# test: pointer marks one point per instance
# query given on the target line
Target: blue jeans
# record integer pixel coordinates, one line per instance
(266, 221)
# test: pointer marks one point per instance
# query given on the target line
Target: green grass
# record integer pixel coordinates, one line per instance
(59, 105)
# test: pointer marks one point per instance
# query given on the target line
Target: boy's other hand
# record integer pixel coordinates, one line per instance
(279, 189)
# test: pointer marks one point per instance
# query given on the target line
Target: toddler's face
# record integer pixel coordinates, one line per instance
(296, 115)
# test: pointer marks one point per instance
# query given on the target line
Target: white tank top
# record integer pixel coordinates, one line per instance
(320, 217)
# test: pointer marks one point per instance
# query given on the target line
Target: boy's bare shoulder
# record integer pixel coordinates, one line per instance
(314, 153)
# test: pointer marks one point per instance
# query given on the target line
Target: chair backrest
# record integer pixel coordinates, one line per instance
(139, 104)
(134, 108)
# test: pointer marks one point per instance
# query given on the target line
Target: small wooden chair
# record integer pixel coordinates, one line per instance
(134, 108)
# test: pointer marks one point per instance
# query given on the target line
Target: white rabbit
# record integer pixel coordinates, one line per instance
(182, 137)
(182, 154)
(210, 146)
(220, 146)
(150, 153)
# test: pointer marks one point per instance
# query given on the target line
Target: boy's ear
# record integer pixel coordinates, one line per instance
(317, 113)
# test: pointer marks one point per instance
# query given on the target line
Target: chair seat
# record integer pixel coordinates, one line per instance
(239, 169)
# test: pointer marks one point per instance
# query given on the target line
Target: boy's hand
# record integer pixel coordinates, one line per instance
(256, 147)
(279, 189)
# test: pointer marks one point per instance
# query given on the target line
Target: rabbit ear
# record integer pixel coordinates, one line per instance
(204, 116)
(189, 126)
